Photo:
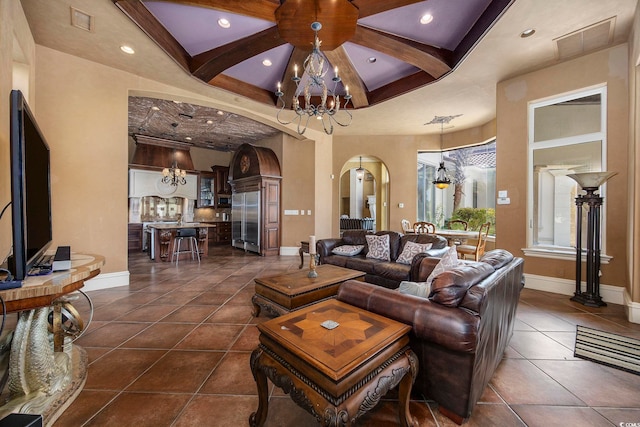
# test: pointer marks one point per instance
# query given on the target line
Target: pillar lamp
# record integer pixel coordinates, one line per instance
(590, 182)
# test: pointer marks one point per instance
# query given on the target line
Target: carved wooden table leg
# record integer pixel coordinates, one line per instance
(258, 418)
(256, 307)
(404, 391)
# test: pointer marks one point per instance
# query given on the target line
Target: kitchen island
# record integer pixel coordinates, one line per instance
(163, 238)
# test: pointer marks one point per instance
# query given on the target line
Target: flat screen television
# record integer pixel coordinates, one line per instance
(30, 188)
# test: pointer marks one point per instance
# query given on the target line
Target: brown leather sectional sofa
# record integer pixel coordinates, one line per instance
(383, 273)
(460, 333)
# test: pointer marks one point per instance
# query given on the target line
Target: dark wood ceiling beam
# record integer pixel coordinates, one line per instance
(339, 58)
(368, 7)
(139, 14)
(428, 58)
(207, 65)
(262, 9)
(242, 88)
(400, 87)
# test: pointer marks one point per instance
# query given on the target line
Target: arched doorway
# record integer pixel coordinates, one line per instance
(364, 195)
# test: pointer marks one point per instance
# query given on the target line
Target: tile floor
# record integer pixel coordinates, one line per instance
(172, 349)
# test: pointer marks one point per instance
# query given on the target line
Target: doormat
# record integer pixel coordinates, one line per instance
(608, 349)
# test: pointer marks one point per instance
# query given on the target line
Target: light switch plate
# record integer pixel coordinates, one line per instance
(504, 201)
(503, 194)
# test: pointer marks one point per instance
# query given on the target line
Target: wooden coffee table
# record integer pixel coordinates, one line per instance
(335, 374)
(291, 291)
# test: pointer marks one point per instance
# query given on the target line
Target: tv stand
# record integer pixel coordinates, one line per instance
(45, 379)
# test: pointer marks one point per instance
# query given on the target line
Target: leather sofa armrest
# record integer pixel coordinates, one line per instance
(453, 328)
(325, 246)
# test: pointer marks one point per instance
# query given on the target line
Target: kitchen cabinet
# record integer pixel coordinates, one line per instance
(134, 237)
(206, 186)
(222, 185)
(220, 233)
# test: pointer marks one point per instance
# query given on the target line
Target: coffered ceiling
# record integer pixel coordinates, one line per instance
(447, 67)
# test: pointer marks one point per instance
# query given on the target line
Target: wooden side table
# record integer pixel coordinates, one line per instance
(304, 249)
(337, 374)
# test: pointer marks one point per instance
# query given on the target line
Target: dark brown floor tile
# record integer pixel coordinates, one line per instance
(95, 353)
(160, 335)
(210, 298)
(544, 322)
(217, 411)
(111, 335)
(385, 413)
(483, 415)
(116, 370)
(178, 372)
(84, 407)
(148, 313)
(177, 297)
(536, 345)
(211, 337)
(190, 314)
(231, 376)
(615, 388)
(520, 382)
(621, 416)
(114, 310)
(593, 321)
(248, 339)
(283, 412)
(567, 339)
(133, 409)
(560, 416)
(236, 314)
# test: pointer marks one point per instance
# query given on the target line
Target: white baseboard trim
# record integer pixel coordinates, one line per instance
(106, 281)
(612, 294)
(631, 308)
(289, 250)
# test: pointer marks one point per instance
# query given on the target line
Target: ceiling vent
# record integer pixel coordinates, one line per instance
(585, 40)
(81, 20)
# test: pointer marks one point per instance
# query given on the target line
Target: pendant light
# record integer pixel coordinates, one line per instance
(442, 180)
(360, 171)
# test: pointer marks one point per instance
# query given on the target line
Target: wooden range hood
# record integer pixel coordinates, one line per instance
(157, 154)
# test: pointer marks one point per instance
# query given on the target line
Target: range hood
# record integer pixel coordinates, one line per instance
(157, 153)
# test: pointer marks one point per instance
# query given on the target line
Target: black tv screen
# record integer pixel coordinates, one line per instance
(30, 188)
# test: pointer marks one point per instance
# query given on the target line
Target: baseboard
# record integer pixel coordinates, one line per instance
(612, 294)
(632, 309)
(290, 250)
(107, 280)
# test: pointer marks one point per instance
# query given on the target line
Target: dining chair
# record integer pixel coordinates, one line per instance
(423, 227)
(476, 250)
(458, 224)
(406, 227)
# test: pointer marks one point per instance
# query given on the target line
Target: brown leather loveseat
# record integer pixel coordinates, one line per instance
(383, 273)
(460, 332)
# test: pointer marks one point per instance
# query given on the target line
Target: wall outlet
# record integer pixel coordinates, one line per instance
(308, 211)
(301, 211)
(217, 214)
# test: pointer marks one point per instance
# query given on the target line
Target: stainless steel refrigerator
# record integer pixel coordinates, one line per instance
(245, 221)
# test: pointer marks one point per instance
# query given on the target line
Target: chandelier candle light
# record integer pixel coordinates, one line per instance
(174, 175)
(315, 69)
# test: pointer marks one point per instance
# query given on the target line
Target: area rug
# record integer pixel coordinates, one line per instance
(608, 349)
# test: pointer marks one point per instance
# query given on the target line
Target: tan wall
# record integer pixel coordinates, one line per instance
(17, 51)
(513, 96)
(633, 154)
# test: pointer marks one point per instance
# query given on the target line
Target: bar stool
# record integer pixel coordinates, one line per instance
(190, 235)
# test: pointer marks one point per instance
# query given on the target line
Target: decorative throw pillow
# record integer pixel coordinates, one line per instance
(379, 247)
(419, 289)
(348, 250)
(411, 249)
(447, 262)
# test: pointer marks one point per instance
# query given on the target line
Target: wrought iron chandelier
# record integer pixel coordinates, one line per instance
(442, 180)
(174, 175)
(360, 171)
(315, 68)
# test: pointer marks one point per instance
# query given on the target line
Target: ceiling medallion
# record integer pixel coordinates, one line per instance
(315, 69)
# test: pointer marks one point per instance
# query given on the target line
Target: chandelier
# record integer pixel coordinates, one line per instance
(314, 70)
(360, 171)
(174, 175)
(442, 180)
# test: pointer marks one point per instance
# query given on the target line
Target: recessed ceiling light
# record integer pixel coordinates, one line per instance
(177, 102)
(127, 49)
(154, 108)
(224, 23)
(220, 113)
(527, 33)
(209, 122)
(426, 18)
(372, 59)
(267, 63)
(188, 138)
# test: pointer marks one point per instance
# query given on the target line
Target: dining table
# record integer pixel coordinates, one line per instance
(454, 236)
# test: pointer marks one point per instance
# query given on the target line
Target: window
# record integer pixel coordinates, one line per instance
(567, 135)
(472, 171)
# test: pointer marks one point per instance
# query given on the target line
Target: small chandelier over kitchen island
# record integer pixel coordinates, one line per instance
(314, 71)
(174, 175)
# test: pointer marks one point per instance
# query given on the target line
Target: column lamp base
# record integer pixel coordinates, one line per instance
(588, 300)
